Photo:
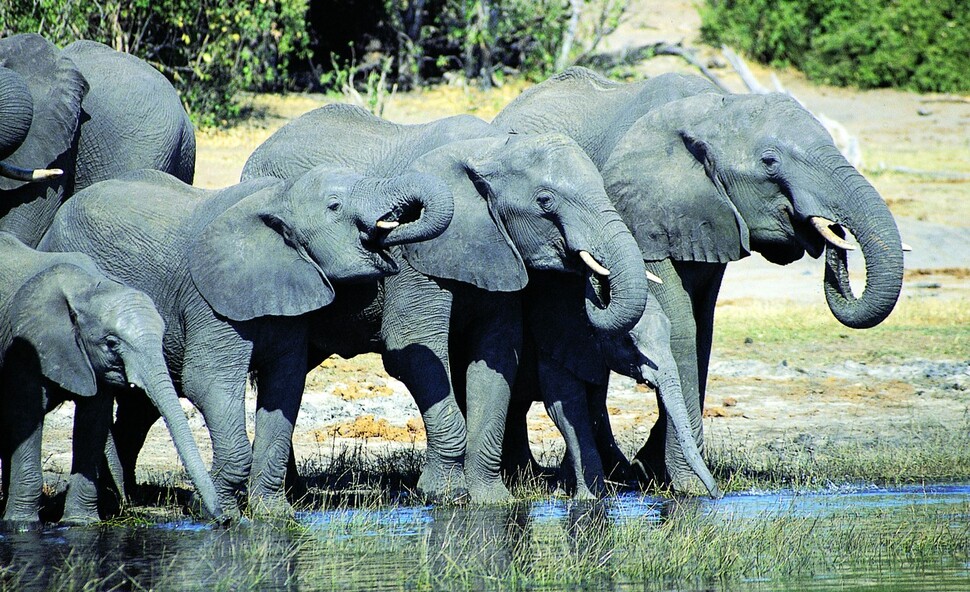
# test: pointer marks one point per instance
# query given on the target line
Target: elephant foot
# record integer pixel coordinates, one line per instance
(80, 519)
(442, 484)
(491, 492)
(584, 493)
(270, 507)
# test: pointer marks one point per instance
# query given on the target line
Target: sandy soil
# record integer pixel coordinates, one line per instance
(751, 400)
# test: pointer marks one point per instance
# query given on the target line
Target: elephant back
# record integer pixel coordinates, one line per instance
(134, 118)
(347, 136)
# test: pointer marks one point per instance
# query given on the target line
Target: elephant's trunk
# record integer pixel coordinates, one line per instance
(865, 214)
(669, 391)
(615, 302)
(150, 373)
(417, 207)
(16, 111)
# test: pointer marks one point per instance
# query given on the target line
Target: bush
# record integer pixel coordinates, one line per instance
(912, 44)
(209, 49)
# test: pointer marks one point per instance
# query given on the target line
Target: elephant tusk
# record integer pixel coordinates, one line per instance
(593, 264)
(21, 174)
(907, 248)
(823, 226)
(388, 224)
(654, 277)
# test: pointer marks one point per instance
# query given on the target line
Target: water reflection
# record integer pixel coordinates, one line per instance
(419, 547)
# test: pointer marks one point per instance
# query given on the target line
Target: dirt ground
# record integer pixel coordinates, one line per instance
(916, 151)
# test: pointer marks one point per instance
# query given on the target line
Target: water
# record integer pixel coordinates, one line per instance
(536, 545)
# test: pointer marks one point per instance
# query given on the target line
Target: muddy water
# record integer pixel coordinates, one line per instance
(422, 547)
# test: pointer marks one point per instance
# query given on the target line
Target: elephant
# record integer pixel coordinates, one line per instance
(76, 116)
(573, 388)
(67, 331)
(234, 273)
(702, 178)
(531, 202)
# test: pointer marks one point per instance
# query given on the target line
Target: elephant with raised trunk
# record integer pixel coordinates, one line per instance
(703, 178)
(72, 117)
(234, 273)
(69, 332)
(450, 323)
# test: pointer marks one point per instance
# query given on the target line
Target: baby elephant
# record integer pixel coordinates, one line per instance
(67, 331)
(566, 365)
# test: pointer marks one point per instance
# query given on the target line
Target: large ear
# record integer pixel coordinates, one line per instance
(661, 179)
(57, 88)
(42, 316)
(475, 248)
(246, 263)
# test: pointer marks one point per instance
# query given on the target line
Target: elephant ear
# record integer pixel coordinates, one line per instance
(42, 316)
(476, 247)
(247, 264)
(661, 178)
(57, 88)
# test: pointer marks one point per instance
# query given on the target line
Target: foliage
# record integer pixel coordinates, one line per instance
(209, 49)
(867, 43)
(484, 38)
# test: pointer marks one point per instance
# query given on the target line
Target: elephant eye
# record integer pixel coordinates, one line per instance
(545, 199)
(770, 160)
(112, 342)
(333, 204)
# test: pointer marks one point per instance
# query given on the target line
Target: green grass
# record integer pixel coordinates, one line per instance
(923, 328)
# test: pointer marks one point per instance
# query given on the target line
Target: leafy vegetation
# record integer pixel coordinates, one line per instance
(910, 44)
(210, 50)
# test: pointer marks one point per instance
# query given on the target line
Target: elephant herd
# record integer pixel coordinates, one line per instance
(491, 264)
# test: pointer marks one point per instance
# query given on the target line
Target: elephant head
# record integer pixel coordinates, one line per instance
(533, 202)
(711, 177)
(91, 332)
(40, 111)
(644, 354)
(277, 250)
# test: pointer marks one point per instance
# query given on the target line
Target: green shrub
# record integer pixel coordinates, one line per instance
(209, 49)
(912, 44)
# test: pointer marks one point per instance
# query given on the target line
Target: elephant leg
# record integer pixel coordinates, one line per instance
(615, 464)
(656, 461)
(22, 409)
(92, 420)
(518, 462)
(493, 359)
(565, 398)
(415, 333)
(279, 391)
(133, 419)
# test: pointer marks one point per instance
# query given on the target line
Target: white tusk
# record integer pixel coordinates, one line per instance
(907, 248)
(593, 264)
(822, 226)
(388, 224)
(654, 277)
(21, 174)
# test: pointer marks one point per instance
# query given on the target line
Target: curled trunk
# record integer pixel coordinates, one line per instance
(865, 214)
(615, 303)
(16, 111)
(421, 204)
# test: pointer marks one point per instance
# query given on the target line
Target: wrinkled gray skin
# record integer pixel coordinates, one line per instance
(88, 110)
(450, 323)
(702, 178)
(573, 388)
(234, 273)
(69, 332)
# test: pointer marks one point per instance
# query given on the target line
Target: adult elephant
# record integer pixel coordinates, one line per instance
(450, 325)
(702, 178)
(67, 331)
(76, 116)
(234, 273)
(574, 387)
